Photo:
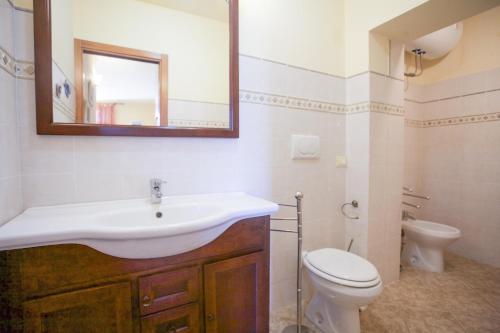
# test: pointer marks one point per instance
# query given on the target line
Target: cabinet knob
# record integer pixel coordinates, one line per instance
(210, 317)
(171, 329)
(146, 301)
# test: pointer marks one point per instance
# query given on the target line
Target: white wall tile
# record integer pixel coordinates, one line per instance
(11, 199)
(23, 34)
(358, 89)
(6, 27)
(9, 152)
(250, 73)
(7, 98)
(386, 90)
(25, 102)
(48, 189)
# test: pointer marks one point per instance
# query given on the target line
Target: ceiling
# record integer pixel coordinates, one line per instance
(213, 9)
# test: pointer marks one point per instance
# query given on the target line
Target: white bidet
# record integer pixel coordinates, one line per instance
(425, 243)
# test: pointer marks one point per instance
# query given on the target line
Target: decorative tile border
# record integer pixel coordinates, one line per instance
(25, 70)
(254, 97)
(375, 107)
(197, 123)
(470, 119)
(17, 68)
(387, 109)
(7, 62)
(318, 106)
(414, 123)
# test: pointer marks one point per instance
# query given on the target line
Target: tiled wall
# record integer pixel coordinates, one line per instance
(453, 155)
(10, 161)
(59, 170)
(374, 145)
(276, 101)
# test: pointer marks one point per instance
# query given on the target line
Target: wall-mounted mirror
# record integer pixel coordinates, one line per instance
(137, 67)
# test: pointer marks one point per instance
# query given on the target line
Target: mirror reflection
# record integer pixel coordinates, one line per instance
(141, 62)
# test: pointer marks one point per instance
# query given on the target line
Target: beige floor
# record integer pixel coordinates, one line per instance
(463, 299)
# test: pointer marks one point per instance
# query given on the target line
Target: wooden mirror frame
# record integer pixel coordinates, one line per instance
(43, 87)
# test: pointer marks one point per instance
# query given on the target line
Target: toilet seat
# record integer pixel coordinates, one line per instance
(343, 268)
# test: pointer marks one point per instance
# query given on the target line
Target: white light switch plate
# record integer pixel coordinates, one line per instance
(305, 147)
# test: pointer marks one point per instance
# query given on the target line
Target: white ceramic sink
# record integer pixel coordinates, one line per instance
(134, 229)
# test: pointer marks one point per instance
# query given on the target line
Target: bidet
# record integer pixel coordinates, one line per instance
(425, 243)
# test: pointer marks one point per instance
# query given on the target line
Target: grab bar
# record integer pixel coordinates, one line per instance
(411, 205)
(407, 189)
(417, 196)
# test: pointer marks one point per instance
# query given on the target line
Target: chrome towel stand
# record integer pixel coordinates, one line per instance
(298, 327)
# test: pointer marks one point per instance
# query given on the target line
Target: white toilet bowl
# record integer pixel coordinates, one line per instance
(425, 243)
(343, 283)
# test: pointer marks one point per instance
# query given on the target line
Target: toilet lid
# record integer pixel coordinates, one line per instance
(342, 265)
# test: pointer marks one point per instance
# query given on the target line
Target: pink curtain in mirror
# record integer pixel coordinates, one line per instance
(105, 113)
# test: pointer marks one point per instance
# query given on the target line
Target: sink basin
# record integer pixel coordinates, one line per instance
(134, 229)
(160, 216)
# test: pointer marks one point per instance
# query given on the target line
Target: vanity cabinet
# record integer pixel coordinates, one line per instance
(236, 288)
(100, 309)
(220, 287)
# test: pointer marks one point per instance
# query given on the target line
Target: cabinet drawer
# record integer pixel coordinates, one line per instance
(185, 319)
(169, 289)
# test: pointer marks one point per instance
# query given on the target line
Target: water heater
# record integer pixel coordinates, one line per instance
(438, 43)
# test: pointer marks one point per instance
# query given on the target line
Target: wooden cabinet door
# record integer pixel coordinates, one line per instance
(237, 295)
(95, 310)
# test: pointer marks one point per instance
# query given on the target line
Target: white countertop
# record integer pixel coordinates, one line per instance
(187, 222)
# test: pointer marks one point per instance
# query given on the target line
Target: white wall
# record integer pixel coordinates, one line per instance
(11, 202)
(361, 17)
(304, 33)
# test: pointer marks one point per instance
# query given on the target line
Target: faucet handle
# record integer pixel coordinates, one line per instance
(156, 183)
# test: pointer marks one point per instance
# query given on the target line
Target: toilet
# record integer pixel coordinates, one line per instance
(343, 283)
(425, 243)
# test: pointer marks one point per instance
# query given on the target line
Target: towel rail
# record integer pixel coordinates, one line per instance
(425, 197)
(411, 205)
(298, 327)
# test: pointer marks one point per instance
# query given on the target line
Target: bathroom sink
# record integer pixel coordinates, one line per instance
(134, 229)
(180, 215)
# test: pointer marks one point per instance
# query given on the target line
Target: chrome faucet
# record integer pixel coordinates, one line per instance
(407, 216)
(156, 190)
